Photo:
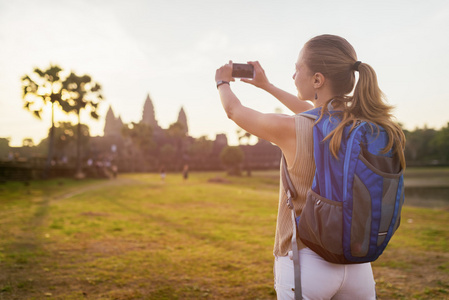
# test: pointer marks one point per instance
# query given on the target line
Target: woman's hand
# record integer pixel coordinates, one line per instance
(260, 80)
(224, 73)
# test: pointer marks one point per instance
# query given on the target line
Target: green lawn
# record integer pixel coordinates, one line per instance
(137, 237)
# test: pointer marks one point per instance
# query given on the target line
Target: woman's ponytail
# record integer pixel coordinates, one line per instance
(336, 59)
(368, 103)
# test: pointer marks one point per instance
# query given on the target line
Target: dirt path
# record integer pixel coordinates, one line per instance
(92, 187)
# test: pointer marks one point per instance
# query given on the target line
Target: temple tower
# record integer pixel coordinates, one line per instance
(148, 115)
(182, 118)
(112, 125)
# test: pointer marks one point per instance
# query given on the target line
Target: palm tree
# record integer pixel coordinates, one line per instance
(81, 92)
(40, 88)
(66, 137)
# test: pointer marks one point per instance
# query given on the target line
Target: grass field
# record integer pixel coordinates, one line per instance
(210, 237)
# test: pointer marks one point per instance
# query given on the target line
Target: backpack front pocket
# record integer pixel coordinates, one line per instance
(376, 205)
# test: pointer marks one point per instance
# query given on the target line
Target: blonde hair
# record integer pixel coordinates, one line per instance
(335, 58)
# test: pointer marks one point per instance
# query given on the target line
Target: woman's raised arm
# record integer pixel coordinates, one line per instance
(291, 101)
(276, 128)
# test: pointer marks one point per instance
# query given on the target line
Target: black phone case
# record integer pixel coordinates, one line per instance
(242, 70)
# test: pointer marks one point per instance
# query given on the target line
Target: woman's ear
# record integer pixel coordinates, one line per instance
(318, 80)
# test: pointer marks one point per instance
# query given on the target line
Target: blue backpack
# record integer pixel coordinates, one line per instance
(354, 205)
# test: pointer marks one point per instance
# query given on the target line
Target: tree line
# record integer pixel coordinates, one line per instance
(427, 146)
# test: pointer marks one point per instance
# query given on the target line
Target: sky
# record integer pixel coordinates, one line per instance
(170, 50)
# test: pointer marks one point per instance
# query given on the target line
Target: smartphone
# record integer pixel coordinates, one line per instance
(242, 70)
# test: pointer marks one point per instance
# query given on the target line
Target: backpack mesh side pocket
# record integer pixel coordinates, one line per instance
(320, 227)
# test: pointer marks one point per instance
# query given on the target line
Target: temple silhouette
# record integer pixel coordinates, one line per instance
(168, 148)
(171, 152)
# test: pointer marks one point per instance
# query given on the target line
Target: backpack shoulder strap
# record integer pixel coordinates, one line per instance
(312, 114)
(291, 193)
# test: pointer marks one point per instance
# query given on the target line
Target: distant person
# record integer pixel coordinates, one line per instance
(324, 75)
(185, 172)
(114, 170)
(163, 174)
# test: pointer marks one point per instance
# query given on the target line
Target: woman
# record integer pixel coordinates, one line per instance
(325, 75)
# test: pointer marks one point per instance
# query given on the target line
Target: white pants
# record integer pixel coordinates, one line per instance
(323, 280)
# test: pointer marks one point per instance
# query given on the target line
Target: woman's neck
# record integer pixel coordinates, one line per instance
(324, 95)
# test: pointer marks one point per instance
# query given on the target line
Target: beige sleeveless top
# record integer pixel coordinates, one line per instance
(301, 174)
